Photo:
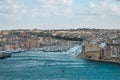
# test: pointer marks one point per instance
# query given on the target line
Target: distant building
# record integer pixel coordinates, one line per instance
(91, 51)
(107, 53)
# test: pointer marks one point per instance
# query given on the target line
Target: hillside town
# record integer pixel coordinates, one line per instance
(97, 44)
(103, 45)
(15, 41)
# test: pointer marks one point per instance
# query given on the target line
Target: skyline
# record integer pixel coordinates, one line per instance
(59, 14)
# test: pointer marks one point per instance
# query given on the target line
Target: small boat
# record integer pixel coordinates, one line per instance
(17, 51)
(8, 54)
(2, 56)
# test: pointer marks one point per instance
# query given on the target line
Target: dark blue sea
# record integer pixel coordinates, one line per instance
(36, 65)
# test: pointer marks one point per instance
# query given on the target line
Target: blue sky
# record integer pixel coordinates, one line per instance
(59, 14)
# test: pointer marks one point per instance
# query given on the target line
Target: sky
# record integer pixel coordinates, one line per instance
(59, 14)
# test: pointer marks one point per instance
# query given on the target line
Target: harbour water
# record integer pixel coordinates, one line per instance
(36, 65)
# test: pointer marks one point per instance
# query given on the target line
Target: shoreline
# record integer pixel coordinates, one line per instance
(7, 54)
(103, 61)
(60, 48)
(55, 48)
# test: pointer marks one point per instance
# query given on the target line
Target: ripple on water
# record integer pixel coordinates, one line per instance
(55, 66)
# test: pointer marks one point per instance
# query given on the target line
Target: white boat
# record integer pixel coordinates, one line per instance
(4, 54)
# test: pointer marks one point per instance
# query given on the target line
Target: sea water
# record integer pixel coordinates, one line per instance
(37, 65)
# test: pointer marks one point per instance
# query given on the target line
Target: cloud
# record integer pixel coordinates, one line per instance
(55, 7)
(115, 9)
(45, 8)
(14, 8)
(91, 4)
(11, 7)
(116, 0)
(59, 8)
(59, 12)
(104, 7)
(56, 2)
